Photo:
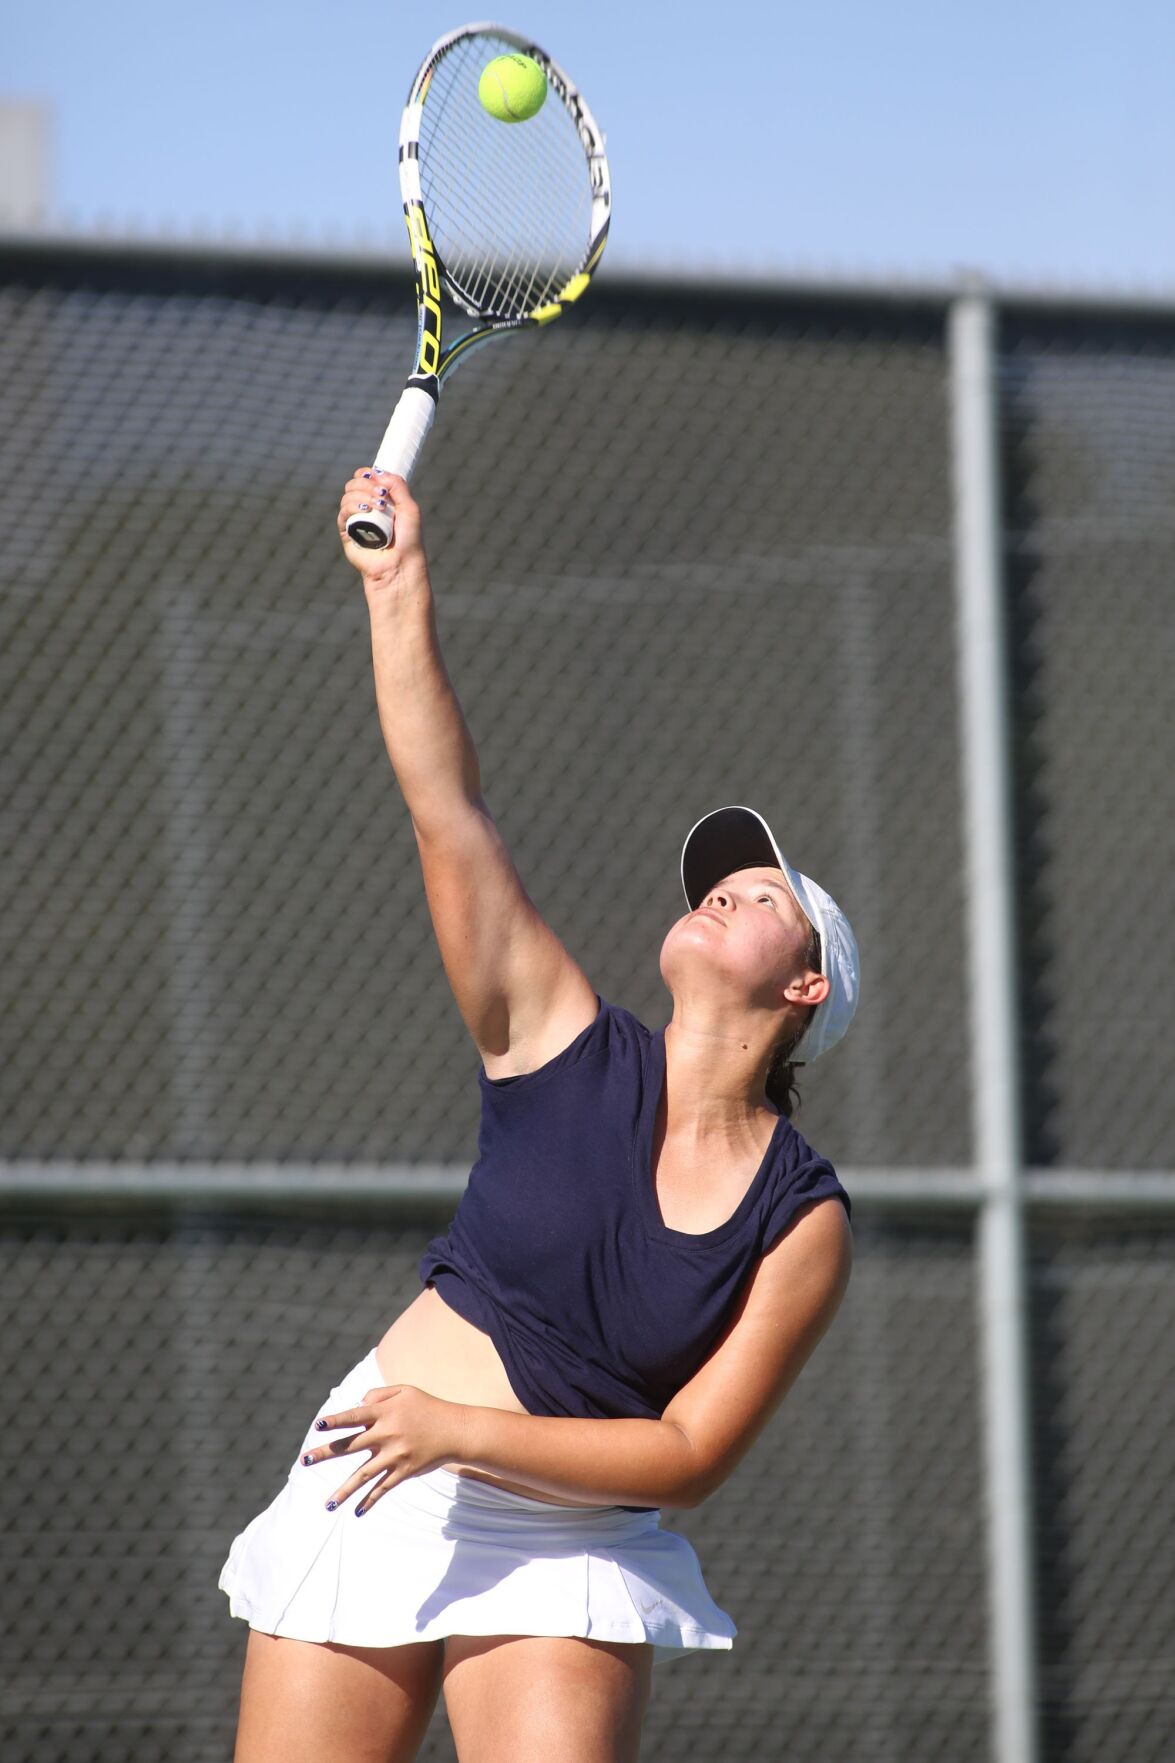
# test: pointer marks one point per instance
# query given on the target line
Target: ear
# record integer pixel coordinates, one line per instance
(808, 988)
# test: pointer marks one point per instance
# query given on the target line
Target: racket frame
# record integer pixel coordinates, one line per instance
(433, 362)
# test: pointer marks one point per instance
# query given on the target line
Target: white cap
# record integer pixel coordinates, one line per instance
(738, 838)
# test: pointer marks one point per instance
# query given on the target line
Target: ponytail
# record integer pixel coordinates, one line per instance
(782, 1091)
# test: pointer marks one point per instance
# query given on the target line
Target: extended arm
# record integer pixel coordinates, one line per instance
(679, 1460)
(521, 994)
(424, 729)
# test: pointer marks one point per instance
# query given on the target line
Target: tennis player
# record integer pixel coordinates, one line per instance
(645, 1256)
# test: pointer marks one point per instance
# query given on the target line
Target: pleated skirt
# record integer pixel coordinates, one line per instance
(444, 1554)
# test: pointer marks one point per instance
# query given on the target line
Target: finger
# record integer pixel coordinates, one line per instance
(386, 491)
(351, 1486)
(336, 1448)
(377, 1490)
(361, 500)
(350, 1417)
(382, 1481)
(402, 500)
(397, 488)
(365, 482)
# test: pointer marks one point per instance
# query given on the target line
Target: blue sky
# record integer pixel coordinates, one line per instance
(1031, 141)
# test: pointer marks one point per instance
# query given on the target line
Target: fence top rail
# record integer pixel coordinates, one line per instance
(72, 249)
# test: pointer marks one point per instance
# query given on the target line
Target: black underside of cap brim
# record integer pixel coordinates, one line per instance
(728, 839)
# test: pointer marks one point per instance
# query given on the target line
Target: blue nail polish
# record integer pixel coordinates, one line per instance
(307, 1458)
(367, 474)
(359, 1511)
(320, 1426)
(331, 1504)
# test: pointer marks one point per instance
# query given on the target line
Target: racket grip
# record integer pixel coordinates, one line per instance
(398, 452)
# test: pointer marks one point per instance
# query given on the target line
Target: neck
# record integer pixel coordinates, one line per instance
(716, 1064)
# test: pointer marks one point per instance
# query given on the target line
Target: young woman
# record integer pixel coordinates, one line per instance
(646, 1255)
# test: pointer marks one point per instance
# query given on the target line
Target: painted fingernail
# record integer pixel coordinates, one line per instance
(320, 1426)
(331, 1504)
(307, 1458)
(359, 1511)
(365, 507)
(366, 474)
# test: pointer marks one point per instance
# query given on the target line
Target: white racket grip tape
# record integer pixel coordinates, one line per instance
(398, 452)
(404, 436)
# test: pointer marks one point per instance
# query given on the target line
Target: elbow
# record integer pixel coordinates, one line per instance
(694, 1481)
(698, 1490)
(686, 1496)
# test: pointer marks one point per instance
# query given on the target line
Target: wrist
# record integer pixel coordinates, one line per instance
(469, 1434)
(394, 586)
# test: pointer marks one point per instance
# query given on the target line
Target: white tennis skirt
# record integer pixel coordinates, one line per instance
(443, 1554)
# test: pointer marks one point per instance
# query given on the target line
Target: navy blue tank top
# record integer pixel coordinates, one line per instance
(558, 1251)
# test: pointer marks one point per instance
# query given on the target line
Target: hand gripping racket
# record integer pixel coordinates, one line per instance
(509, 219)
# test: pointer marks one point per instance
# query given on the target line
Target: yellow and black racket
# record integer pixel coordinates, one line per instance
(507, 218)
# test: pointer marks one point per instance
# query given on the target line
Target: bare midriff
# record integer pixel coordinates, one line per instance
(432, 1348)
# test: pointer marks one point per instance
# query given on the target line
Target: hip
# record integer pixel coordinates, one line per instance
(444, 1554)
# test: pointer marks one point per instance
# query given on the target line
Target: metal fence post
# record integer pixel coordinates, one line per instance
(998, 1138)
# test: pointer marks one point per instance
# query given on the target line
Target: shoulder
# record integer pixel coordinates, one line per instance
(802, 1174)
(803, 1276)
(800, 1282)
(818, 1244)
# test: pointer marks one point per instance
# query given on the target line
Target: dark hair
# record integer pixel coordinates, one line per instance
(782, 1091)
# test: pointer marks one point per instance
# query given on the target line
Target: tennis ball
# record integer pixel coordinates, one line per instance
(512, 88)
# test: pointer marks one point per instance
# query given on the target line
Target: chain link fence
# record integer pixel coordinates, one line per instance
(689, 547)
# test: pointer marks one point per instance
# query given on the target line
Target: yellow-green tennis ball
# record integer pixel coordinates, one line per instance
(512, 88)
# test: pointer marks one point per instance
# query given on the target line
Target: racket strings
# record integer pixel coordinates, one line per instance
(508, 204)
(532, 174)
(505, 241)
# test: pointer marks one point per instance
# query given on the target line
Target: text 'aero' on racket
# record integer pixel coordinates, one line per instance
(508, 218)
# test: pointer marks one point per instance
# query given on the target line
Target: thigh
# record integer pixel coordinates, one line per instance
(531, 1698)
(302, 1701)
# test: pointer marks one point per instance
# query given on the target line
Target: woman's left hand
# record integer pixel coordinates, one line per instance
(406, 1432)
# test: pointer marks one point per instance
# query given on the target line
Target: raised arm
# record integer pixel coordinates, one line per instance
(521, 994)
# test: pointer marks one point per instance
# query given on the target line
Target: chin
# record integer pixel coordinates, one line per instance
(689, 958)
(679, 938)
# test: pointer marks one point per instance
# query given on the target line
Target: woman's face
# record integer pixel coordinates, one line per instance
(750, 936)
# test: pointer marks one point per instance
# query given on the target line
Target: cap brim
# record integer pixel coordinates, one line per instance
(729, 839)
(735, 838)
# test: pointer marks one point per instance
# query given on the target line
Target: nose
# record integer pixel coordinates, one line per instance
(717, 897)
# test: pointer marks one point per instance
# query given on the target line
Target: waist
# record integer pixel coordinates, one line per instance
(473, 1510)
(432, 1348)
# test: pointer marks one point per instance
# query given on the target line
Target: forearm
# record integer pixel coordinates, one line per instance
(606, 1462)
(424, 729)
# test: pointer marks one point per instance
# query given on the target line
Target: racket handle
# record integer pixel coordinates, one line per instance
(398, 453)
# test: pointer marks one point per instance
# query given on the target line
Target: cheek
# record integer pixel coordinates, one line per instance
(768, 951)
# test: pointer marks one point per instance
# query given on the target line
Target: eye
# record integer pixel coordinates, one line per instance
(770, 898)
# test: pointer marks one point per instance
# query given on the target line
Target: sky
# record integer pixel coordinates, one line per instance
(1031, 142)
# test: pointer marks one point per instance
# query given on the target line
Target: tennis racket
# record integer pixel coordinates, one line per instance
(508, 220)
